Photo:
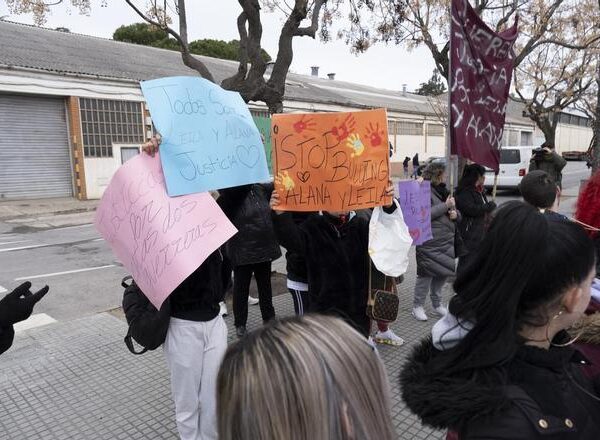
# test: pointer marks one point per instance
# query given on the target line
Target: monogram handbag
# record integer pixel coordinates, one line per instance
(383, 302)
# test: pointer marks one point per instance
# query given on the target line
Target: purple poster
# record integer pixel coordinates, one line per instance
(415, 201)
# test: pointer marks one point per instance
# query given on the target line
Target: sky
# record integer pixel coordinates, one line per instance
(382, 66)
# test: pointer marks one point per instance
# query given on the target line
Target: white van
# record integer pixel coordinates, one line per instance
(514, 164)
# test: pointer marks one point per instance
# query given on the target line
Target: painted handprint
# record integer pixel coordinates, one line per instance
(284, 180)
(375, 135)
(305, 123)
(342, 131)
(355, 144)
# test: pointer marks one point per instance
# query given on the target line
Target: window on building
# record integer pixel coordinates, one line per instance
(106, 121)
(406, 128)
(564, 118)
(526, 138)
(435, 130)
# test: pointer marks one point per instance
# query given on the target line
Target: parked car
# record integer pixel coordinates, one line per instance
(575, 155)
(514, 163)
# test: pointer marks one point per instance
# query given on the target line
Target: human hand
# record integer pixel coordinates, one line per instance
(546, 149)
(18, 305)
(275, 201)
(389, 192)
(151, 147)
(450, 203)
(453, 214)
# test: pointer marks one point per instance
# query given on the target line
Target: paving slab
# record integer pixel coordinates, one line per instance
(76, 380)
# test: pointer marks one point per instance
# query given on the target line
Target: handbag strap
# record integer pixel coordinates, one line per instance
(129, 343)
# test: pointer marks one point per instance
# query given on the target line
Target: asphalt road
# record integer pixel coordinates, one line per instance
(83, 274)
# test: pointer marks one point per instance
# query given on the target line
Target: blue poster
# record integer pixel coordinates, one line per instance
(209, 140)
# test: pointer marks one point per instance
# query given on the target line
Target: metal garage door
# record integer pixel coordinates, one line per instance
(34, 148)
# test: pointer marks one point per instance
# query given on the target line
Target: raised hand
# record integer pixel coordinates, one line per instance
(18, 305)
(274, 202)
(151, 147)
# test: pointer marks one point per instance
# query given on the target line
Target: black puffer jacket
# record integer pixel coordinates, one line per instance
(474, 208)
(544, 396)
(248, 209)
(295, 262)
(337, 262)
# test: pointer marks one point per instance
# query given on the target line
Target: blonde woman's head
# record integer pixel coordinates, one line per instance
(309, 378)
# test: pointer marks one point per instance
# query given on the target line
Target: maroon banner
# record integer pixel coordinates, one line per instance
(481, 68)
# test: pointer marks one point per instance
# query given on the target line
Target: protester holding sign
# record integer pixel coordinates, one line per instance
(436, 257)
(252, 249)
(335, 246)
(475, 209)
(171, 247)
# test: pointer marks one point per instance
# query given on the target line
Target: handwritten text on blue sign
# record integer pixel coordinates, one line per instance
(209, 140)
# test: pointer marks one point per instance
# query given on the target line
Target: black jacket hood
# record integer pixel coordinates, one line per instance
(446, 401)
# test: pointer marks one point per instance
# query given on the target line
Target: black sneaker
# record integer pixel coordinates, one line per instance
(240, 331)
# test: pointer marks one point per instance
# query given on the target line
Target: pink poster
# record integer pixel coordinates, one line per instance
(161, 240)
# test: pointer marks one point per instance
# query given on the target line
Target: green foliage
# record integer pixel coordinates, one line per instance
(434, 87)
(140, 33)
(148, 35)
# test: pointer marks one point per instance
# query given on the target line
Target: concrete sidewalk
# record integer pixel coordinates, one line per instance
(14, 209)
(76, 379)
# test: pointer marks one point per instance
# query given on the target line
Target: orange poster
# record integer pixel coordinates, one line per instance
(331, 161)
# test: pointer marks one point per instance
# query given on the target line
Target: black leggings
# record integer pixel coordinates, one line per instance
(241, 289)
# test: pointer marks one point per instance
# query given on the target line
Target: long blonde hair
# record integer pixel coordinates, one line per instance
(308, 378)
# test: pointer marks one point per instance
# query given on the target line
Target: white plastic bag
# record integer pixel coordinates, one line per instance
(389, 241)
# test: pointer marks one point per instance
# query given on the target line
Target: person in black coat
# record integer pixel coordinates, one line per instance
(335, 248)
(500, 364)
(252, 249)
(472, 203)
(297, 275)
(15, 307)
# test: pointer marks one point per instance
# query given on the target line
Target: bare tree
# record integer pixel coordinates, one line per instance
(249, 80)
(547, 28)
(590, 105)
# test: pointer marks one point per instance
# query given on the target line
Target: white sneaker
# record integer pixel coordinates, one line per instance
(419, 314)
(223, 309)
(252, 301)
(388, 337)
(441, 311)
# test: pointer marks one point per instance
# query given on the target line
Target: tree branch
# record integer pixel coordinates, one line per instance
(311, 31)
(189, 60)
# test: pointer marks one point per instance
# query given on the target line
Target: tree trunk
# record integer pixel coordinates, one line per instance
(595, 147)
(548, 128)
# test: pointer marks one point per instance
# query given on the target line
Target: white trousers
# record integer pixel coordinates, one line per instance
(194, 351)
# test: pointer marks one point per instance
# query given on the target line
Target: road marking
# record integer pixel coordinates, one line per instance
(37, 320)
(54, 274)
(2, 289)
(35, 246)
(98, 239)
(13, 242)
(29, 247)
